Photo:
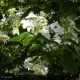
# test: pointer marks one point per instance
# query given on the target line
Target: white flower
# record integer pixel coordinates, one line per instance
(42, 21)
(4, 37)
(4, 19)
(41, 17)
(19, 14)
(21, 0)
(69, 43)
(28, 59)
(50, 46)
(15, 31)
(28, 64)
(27, 24)
(57, 28)
(75, 37)
(24, 24)
(57, 38)
(31, 15)
(45, 33)
(12, 9)
(44, 70)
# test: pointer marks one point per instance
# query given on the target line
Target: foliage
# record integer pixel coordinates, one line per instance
(44, 33)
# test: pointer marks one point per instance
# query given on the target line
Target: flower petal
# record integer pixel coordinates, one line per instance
(45, 33)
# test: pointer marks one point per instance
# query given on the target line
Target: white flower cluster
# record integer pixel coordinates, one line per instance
(50, 46)
(70, 29)
(14, 16)
(3, 21)
(36, 24)
(38, 67)
(4, 37)
(15, 31)
(58, 30)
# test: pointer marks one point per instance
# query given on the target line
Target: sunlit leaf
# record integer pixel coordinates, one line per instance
(27, 41)
(18, 38)
(34, 47)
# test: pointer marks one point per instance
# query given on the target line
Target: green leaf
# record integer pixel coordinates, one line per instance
(18, 38)
(34, 47)
(68, 62)
(48, 58)
(28, 40)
